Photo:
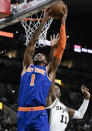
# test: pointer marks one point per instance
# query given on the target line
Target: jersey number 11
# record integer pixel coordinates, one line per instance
(63, 119)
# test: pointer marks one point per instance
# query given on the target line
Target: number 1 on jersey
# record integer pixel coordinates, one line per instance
(32, 80)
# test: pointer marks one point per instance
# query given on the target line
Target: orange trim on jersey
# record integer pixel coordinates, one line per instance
(61, 43)
(31, 108)
(25, 70)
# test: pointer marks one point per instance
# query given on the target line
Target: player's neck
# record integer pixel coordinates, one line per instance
(58, 97)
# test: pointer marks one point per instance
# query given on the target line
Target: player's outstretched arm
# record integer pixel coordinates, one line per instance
(56, 59)
(51, 96)
(28, 56)
(81, 111)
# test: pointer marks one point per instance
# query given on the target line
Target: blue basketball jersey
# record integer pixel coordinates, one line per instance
(34, 87)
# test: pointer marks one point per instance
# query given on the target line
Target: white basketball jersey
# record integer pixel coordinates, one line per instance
(59, 116)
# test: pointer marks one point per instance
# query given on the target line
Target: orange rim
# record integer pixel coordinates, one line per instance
(34, 19)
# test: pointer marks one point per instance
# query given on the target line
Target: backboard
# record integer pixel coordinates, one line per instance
(25, 9)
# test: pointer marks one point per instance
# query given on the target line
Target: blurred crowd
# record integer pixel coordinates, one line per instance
(11, 71)
(6, 123)
(80, 125)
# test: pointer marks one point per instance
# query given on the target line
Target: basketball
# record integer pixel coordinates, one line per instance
(57, 10)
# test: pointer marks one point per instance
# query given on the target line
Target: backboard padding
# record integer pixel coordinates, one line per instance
(25, 10)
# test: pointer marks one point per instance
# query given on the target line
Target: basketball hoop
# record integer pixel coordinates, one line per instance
(31, 23)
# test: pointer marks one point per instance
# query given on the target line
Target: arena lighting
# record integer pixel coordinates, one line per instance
(6, 34)
(1, 105)
(3, 51)
(68, 36)
(13, 91)
(78, 48)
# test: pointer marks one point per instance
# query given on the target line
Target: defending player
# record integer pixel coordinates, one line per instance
(36, 80)
(59, 113)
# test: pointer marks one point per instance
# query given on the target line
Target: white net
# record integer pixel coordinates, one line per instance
(31, 24)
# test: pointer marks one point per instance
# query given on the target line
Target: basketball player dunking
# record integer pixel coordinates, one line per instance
(36, 80)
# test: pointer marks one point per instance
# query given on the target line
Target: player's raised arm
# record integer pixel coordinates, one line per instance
(56, 59)
(28, 56)
(51, 96)
(78, 114)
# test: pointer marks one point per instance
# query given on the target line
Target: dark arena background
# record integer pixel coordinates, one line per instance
(74, 71)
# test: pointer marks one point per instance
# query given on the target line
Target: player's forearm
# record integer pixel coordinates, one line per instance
(49, 100)
(52, 52)
(61, 43)
(81, 111)
(58, 53)
(62, 40)
(51, 96)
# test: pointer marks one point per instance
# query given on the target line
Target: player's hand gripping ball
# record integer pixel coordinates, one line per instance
(57, 10)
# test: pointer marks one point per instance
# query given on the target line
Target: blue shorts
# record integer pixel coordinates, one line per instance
(32, 121)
